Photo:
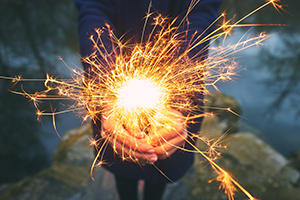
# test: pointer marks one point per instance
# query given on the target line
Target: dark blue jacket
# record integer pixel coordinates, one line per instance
(127, 17)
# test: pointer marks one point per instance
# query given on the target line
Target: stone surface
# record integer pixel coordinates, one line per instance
(69, 175)
(218, 104)
(249, 150)
(265, 173)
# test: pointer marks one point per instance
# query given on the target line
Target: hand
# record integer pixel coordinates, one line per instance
(170, 136)
(124, 141)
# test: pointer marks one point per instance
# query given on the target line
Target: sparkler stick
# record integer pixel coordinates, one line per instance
(158, 78)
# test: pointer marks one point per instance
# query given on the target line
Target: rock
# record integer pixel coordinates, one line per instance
(265, 173)
(3, 188)
(69, 175)
(212, 127)
(295, 162)
(295, 159)
(291, 174)
(251, 151)
(219, 121)
(218, 104)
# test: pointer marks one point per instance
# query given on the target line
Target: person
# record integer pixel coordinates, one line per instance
(125, 18)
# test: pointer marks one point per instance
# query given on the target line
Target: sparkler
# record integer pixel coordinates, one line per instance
(141, 85)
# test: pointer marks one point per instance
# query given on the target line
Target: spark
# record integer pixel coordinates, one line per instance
(138, 93)
(137, 84)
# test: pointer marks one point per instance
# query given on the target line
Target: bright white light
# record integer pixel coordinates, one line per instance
(139, 93)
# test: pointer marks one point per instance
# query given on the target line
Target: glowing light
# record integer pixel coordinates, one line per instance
(139, 94)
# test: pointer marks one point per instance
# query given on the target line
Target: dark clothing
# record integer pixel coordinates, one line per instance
(127, 17)
(127, 189)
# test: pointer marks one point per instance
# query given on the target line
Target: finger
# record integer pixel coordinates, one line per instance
(126, 138)
(172, 124)
(135, 132)
(123, 143)
(134, 143)
(168, 148)
(166, 134)
(125, 151)
(166, 155)
(111, 125)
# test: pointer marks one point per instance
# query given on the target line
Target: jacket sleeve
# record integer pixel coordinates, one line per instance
(199, 19)
(93, 14)
(202, 16)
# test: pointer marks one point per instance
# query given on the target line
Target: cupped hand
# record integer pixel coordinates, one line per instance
(170, 136)
(124, 142)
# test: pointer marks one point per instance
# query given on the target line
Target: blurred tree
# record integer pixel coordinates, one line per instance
(284, 64)
(283, 61)
(32, 35)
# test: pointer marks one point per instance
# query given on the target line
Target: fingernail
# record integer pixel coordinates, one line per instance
(150, 151)
(153, 158)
